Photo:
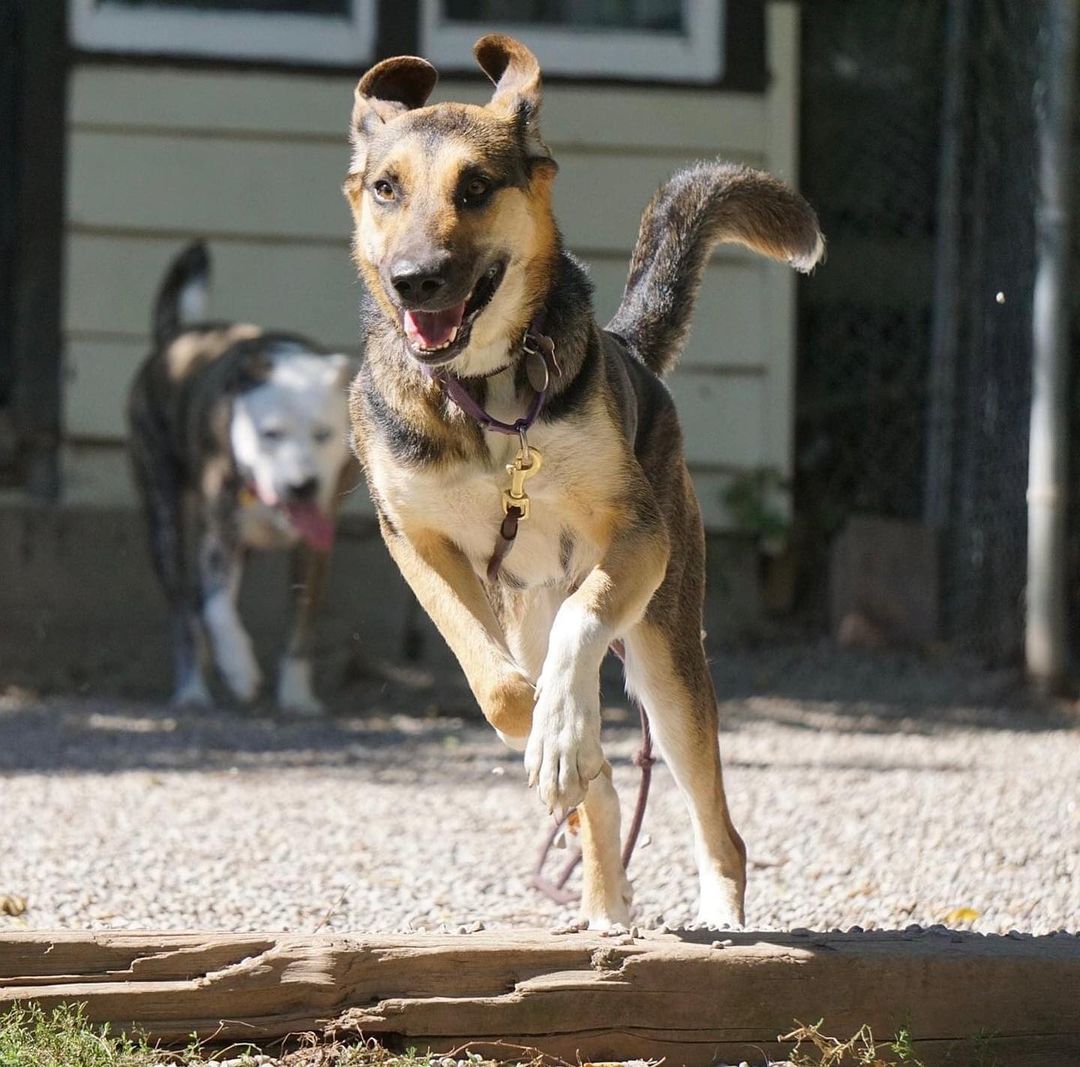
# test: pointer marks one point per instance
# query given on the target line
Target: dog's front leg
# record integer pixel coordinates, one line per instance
(449, 591)
(563, 753)
(220, 570)
(309, 569)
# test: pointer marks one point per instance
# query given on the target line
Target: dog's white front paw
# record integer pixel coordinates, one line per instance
(233, 650)
(564, 754)
(242, 674)
(294, 691)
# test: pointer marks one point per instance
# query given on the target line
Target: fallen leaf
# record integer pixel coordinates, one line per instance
(12, 904)
(960, 915)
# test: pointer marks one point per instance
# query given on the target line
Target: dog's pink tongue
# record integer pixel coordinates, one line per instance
(313, 525)
(433, 329)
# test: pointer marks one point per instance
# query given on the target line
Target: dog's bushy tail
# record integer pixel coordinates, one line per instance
(696, 209)
(182, 297)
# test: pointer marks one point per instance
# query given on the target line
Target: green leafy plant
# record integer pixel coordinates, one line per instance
(752, 500)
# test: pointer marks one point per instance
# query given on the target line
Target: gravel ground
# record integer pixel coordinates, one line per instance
(876, 790)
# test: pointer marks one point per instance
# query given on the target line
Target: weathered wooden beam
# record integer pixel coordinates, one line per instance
(578, 995)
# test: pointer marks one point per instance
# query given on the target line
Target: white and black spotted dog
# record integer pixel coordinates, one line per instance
(237, 435)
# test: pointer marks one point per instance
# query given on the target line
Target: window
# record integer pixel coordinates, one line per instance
(323, 31)
(657, 40)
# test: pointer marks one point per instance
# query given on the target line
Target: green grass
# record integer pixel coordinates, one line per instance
(30, 1037)
(63, 1037)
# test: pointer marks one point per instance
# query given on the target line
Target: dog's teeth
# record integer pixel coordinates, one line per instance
(453, 337)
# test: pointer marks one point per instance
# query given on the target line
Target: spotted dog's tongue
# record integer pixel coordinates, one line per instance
(312, 524)
(433, 329)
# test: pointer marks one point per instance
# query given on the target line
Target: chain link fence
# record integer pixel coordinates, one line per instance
(914, 375)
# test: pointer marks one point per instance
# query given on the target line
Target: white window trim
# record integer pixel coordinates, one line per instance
(228, 34)
(639, 55)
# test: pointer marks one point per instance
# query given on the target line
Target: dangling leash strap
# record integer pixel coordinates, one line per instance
(540, 365)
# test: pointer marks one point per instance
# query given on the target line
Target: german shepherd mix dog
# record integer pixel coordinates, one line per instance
(244, 434)
(478, 319)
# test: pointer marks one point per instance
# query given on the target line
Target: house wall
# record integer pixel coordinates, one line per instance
(253, 162)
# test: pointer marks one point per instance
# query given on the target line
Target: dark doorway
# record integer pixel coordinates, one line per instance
(33, 62)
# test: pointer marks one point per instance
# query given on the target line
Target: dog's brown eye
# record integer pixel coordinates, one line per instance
(384, 190)
(475, 190)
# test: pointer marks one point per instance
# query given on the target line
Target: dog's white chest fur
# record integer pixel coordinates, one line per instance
(464, 501)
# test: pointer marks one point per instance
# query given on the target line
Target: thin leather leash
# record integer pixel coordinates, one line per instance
(540, 366)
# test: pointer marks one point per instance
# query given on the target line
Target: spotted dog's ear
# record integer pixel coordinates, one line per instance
(518, 94)
(386, 92)
(252, 368)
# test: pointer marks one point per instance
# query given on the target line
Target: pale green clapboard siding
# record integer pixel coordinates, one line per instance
(716, 407)
(286, 106)
(98, 372)
(313, 289)
(254, 162)
(289, 189)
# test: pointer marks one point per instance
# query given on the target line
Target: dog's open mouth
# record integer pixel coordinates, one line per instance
(438, 336)
(313, 525)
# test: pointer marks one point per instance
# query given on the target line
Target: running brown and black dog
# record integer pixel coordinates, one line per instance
(479, 320)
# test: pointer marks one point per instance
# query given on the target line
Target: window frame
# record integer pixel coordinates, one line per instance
(226, 35)
(644, 56)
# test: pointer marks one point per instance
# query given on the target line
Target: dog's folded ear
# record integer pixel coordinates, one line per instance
(516, 74)
(387, 91)
(250, 368)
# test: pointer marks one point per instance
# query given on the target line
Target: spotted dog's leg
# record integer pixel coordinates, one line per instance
(159, 483)
(220, 571)
(294, 689)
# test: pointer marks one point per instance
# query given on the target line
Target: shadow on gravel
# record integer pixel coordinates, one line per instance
(816, 685)
(107, 736)
(411, 726)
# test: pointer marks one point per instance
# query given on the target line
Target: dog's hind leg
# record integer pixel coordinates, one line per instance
(159, 485)
(294, 689)
(220, 571)
(666, 670)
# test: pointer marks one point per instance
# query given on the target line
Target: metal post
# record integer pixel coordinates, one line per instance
(945, 324)
(1045, 639)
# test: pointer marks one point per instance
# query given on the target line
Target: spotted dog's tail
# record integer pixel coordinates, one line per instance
(696, 209)
(182, 297)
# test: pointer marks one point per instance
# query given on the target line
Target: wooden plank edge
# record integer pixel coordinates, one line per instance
(662, 994)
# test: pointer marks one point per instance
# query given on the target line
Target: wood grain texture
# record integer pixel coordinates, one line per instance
(576, 995)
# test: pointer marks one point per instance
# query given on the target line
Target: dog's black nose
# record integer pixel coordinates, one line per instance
(417, 283)
(301, 492)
